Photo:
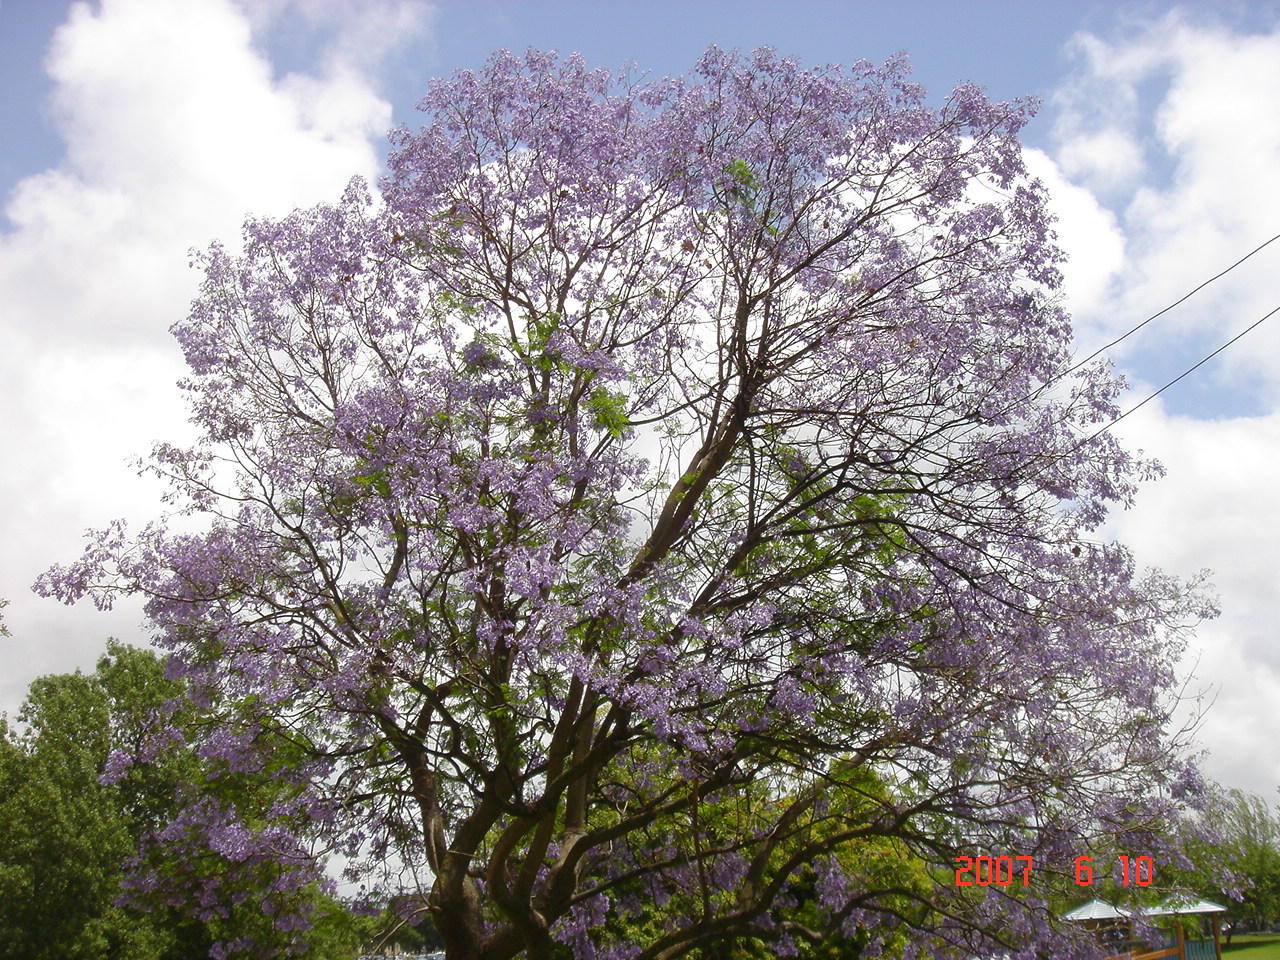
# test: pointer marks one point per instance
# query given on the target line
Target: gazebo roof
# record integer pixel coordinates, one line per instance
(1180, 904)
(1101, 910)
(1095, 910)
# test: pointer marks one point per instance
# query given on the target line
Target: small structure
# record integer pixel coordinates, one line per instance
(1200, 949)
(1114, 928)
(1111, 925)
(1096, 910)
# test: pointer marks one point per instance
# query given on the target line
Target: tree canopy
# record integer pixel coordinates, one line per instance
(661, 520)
(1236, 858)
(64, 842)
(67, 832)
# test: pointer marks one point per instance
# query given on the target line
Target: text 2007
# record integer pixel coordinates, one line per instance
(991, 870)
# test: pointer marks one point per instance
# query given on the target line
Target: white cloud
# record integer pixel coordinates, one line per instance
(1097, 114)
(1087, 230)
(361, 36)
(176, 127)
(1215, 509)
(1169, 125)
(1108, 159)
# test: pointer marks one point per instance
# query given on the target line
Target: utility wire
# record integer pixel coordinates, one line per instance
(1056, 458)
(1035, 393)
(1132, 330)
(1184, 373)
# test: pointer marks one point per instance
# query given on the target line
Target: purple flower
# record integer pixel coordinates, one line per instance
(662, 510)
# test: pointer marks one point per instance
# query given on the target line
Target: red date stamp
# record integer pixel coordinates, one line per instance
(1002, 871)
(998, 870)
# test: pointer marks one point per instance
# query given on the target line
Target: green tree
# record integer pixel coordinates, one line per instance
(1253, 833)
(65, 834)
(1238, 861)
(707, 871)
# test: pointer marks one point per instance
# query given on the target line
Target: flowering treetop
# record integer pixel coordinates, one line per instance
(662, 515)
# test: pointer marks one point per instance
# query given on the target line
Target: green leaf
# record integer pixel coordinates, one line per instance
(742, 173)
(609, 411)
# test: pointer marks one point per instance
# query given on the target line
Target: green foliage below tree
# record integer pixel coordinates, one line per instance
(1247, 849)
(65, 835)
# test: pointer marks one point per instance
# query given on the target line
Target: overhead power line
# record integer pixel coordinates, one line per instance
(1128, 333)
(1056, 458)
(1134, 329)
(1159, 313)
(1184, 373)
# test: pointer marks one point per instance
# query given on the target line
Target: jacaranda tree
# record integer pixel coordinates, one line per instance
(658, 522)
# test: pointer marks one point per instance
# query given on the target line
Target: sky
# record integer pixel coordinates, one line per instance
(136, 130)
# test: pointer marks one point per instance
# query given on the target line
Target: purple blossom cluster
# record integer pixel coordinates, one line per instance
(663, 513)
